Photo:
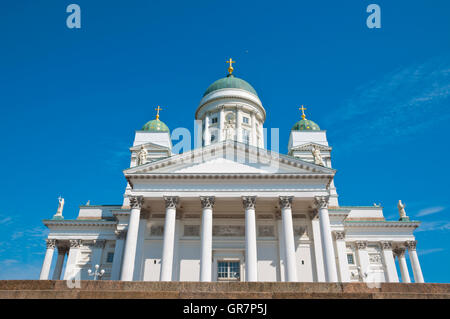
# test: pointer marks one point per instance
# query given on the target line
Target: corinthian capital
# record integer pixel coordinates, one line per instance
(339, 235)
(321, 201)
(399, 251)
(75, 243)
(207, 201)
(136, 201)
(51, 243)
(386, 245)
(286, 201)
(171, 201)
(411, 244)
(361, 244)
(249, 202)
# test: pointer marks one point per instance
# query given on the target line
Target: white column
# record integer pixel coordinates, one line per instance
(389, 261)
(137, 273)
(363, 259)
(327, 240)
(71, 271)
(251, 258)
(320, 268)
(341, 250)
(417, 271)
(400, 252)
(288, 233)
(62, 251)
(254, 141)
(132, 236)
(45, 271)
(118, 253)
(238, 124)
(206, 237)
(221, 124)
(281, 248)
(206, 135)
(169, 238)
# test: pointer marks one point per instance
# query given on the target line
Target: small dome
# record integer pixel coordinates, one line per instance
(155, 126)
(305, 125)
(230, 82)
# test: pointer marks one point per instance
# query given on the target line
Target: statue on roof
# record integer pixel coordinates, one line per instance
(401, 210)
(59, 214)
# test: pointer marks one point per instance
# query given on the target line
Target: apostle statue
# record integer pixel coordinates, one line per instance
(59, 214)
(142, 156)
(229, 130)
(401, 210)
(317, 156)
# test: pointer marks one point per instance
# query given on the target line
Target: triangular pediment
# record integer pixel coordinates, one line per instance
(229, 157)
(309, 147)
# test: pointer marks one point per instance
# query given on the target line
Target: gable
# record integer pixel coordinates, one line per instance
(229, 157)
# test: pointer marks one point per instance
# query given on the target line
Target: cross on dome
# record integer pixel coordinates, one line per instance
(157, 111)
(303, 112)
(230, 68)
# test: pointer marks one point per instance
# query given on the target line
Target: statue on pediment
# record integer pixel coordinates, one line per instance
(142, 156)
(317, 156)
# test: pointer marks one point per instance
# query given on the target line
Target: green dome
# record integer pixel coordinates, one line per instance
(305, 125)
(155, 126)
(230, 82)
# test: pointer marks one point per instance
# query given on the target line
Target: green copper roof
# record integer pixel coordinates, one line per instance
(305, 125)
(155, 126)
(230, 82)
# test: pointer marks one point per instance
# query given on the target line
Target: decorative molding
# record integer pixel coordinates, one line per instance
(266, 231)
(191, 230)
(386, 245)
(207, 201)
(249, 202)
(361, 244)
(411, 244)
(136, 201)
(171, 201)
(51, 243)
(339, 235)
(321, 201)
(75, 243)
(229, 230)
(157, 230)
(285, 201)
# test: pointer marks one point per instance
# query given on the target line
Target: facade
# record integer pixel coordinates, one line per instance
(230, 210)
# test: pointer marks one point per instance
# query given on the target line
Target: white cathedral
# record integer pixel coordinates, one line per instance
(231, 210)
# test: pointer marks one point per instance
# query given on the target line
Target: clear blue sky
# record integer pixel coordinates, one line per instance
(71, 100)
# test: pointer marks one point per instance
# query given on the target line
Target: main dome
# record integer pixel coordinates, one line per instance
(230, 82)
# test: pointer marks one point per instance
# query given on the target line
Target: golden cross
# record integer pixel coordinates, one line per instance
(303, 111)
(230, 68)
(157, 112)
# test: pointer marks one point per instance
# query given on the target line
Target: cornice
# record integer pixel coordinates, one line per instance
(355, 224)
(79, 222)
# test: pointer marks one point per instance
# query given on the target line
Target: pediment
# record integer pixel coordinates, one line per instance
(229, 157)
(309, 146)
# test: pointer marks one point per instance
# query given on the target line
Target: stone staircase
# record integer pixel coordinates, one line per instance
(51, 289)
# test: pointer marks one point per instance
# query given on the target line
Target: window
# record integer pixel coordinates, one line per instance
(213, 138)
(214, 120)
(245, 120)
(350, 259)
(246, 136)
(228, 270)
(110, 257)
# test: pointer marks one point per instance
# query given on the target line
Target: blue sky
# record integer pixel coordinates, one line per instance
(71, 100)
